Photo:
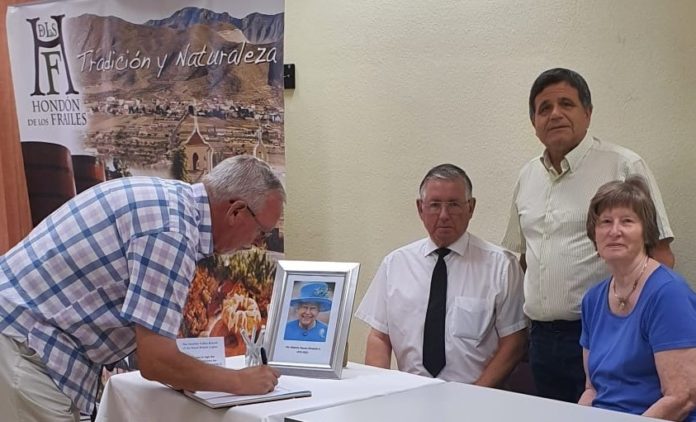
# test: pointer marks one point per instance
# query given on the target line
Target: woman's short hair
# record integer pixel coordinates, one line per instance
(632, 193)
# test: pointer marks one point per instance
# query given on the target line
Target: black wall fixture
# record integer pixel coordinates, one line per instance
(289, 76)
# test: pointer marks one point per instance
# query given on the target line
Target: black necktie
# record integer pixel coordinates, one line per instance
(434, 329)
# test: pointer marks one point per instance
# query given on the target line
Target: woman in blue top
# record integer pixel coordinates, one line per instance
(638, 326)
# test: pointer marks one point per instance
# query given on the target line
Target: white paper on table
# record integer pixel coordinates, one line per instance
(207, 349)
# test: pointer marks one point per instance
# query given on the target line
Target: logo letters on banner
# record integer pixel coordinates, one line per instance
(42, 32)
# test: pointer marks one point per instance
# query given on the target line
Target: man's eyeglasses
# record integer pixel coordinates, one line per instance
(263, 233)
(452, 207)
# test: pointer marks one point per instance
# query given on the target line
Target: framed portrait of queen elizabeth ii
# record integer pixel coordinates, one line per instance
(309, 317)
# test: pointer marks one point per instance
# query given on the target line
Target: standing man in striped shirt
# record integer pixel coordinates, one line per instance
(109, 272)
(547, 226)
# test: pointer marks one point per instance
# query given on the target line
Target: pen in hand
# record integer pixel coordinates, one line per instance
(264, 358)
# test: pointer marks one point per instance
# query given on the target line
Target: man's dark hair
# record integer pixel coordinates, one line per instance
(558, 75)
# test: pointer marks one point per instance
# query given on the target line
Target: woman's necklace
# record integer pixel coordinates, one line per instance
(624, 300)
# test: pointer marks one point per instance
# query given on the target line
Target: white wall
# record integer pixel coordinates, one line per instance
(386, 89)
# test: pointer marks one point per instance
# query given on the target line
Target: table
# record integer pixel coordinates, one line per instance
(130, 397)
(450, 402)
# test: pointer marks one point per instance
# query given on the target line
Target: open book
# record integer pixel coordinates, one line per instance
(216, 399)
(211, 350)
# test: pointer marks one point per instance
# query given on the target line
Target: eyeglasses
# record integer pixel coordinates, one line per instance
(452, 207)
(262, 232)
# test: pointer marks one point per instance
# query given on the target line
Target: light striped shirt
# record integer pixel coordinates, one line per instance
(120, 254)
(548, 224)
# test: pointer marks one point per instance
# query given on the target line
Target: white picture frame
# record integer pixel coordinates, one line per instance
(301, 293)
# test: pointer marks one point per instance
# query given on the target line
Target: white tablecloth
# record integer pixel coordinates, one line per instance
(454, 402)
(130, 398)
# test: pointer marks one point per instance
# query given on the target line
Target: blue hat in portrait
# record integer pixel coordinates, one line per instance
(316, 293)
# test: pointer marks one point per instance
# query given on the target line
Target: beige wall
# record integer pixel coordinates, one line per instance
(386, 89)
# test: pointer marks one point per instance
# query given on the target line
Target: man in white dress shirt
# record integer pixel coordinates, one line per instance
(484, 325)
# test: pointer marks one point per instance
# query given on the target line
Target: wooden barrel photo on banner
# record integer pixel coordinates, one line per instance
(49, 173)
(88, 170)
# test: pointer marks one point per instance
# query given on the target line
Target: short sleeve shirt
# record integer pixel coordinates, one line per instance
(119, 254)
(621, 362)
(484, 303)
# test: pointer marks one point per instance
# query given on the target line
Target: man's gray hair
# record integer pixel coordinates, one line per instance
(447, 172)
(242, 177)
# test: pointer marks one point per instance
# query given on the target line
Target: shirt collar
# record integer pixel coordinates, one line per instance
(205, 227)
(459, 246)
(572, 159)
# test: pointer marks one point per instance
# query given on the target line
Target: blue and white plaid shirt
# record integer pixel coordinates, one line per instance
(120, 254)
